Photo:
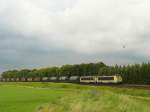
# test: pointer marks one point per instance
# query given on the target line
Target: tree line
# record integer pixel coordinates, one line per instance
(135, 74)
(65, 70)
(131, 74)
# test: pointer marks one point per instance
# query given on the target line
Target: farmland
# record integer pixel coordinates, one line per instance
(60, 97)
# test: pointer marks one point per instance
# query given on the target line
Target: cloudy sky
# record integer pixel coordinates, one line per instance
(40, 33)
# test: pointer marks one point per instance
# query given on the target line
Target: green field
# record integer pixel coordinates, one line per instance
(59, 97)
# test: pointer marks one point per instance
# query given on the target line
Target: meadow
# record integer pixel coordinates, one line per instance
(60, 97)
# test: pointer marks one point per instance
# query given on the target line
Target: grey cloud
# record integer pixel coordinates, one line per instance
(36, 33)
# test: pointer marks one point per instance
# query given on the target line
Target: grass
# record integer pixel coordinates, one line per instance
(14, 98)
(59, 97)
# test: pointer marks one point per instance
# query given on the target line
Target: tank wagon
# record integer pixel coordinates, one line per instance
(113, 79)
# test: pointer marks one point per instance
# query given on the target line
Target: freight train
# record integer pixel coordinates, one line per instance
(113, 79)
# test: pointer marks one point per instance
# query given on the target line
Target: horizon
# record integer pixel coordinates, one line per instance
(59, 66)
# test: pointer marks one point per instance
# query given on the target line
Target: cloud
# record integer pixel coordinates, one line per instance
(84, 27)
(88, 26)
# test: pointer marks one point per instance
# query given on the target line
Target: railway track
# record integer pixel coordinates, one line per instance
(137, 86)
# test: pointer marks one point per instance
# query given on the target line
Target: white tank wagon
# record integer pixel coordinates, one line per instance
(63, 79)
(12, 79)
(74, 79)
(36, 79)
(29, 79)
(17, 79)
(23, 79)
(53, 79)
(45, 79)
(3, 79)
